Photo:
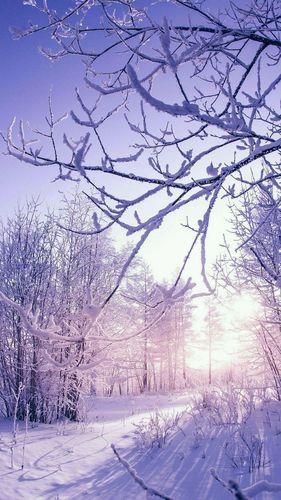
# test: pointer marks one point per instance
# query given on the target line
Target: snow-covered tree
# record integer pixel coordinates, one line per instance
(219, 114)
(27, 268)
(255, 267)
(212, 333)
(49, 278)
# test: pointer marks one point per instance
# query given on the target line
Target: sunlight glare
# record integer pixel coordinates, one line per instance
(243, 307)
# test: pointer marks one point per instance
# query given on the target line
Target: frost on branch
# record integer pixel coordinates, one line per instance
(79, 149)
(173, 109)
(249, 492)
(150, 491)
(222, 70)
(211, 170)
(90, 309)
(171, 295)
(166, 45)
(30, 322)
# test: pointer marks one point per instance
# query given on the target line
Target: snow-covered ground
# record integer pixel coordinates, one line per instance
(75, 461)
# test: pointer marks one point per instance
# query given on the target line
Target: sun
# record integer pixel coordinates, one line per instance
(232, 336)
(224, 352)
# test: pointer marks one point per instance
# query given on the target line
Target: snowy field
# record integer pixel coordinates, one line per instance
(75, 461)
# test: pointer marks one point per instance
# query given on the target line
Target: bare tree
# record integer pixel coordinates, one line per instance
(255, 267)
(49, 279)
(27, 267)
(222, 71)
(212, 321)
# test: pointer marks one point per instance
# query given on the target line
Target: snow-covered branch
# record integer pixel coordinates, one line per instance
(249, 492)
(137, 478)
(206, 64)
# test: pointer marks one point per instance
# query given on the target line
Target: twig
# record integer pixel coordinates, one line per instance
(231, 486)
(137, 479)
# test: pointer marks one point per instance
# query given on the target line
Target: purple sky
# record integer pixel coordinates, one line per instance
(26, 77)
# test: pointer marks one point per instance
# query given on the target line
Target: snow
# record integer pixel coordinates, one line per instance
(173, 109)
(75, 460)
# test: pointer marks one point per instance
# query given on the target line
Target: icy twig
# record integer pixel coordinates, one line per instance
(138, 479)
(249, 492)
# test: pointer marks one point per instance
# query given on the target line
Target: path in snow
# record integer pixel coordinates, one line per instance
(75, 461)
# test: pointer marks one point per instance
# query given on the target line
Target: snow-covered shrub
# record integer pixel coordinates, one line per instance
(198, 435)
(217, 407)
(62, 426)
(245, 449)
(154, 431)
(230, 409)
